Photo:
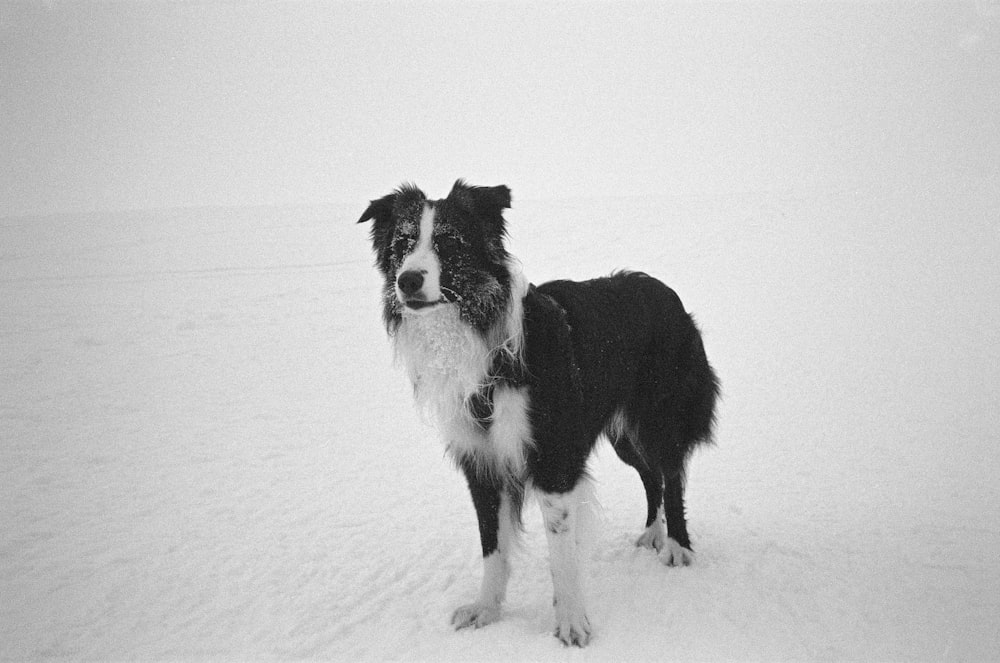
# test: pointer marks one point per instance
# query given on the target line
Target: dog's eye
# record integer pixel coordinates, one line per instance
(400, 246)
(447, 244)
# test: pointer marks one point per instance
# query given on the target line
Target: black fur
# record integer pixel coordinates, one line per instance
(621, 343)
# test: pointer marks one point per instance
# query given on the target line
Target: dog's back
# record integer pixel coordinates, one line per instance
(635, 344)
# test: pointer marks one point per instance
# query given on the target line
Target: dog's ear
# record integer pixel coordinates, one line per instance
(486, 201)
(380, 210)
(492, 198)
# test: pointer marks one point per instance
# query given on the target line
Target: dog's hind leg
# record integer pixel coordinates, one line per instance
(677, 549)
(688, 425)
(666, 532)
(654, 535)
(498, 509)
(652, 480)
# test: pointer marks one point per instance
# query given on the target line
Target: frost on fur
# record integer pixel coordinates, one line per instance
(446, 361)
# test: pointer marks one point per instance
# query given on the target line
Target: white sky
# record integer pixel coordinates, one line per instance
(152, 104)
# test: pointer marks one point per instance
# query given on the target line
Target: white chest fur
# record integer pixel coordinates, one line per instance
(447, 363)
(445, 359)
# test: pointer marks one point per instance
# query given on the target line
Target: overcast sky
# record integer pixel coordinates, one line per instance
(149, 104)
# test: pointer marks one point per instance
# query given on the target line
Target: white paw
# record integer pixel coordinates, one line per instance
(653, 537)
(476, 615)
(674, 554)
(572, 627)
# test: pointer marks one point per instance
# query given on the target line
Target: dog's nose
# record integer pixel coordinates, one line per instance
(410, 282)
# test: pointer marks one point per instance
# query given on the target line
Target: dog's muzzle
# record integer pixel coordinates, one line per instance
(410, 284)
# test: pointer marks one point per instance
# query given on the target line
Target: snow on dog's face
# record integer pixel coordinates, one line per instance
(443, 252)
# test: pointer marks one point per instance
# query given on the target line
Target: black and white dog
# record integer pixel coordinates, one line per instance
(524, 379)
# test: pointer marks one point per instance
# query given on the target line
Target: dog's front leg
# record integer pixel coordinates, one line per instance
(496, 532)
(560, 514)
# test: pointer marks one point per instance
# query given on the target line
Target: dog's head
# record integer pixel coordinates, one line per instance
(442, 252)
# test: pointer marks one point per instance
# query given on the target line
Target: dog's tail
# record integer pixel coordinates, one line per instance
(699, 390)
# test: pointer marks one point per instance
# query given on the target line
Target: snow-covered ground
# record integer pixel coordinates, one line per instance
(205, 452)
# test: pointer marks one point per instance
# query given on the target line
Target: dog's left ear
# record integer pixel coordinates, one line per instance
(487, 201)
(492, 198)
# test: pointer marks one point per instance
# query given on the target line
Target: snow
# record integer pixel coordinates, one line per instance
(207, 453)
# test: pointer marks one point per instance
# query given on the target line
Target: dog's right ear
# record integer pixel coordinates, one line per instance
(380, 210)
(383, 209)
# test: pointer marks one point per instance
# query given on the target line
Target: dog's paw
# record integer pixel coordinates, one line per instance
(674, 554)
(476, 615)
(574, 633)
(572, 627)
(653, 537)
